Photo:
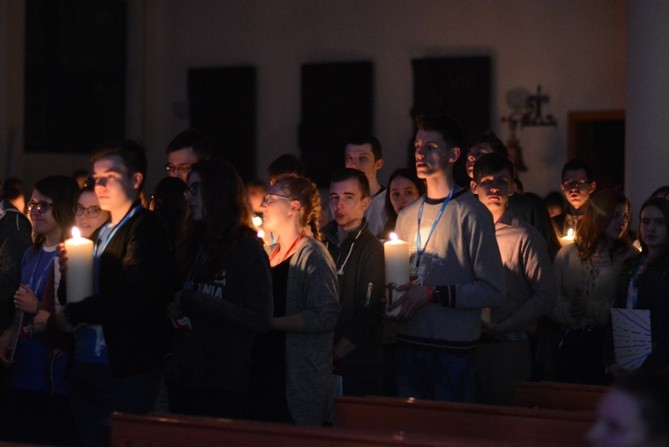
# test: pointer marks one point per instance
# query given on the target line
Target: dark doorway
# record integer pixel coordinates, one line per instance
(223, 108)
(458, 87)
(598, 138)
(337, 101)
(74, 74)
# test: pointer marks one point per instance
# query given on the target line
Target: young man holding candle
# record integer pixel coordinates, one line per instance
(358, 256)
(458, 271)
(503, 355)
(132, 287)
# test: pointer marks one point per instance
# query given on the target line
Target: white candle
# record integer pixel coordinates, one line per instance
(79, 276)
(396, 254)
(568, 239)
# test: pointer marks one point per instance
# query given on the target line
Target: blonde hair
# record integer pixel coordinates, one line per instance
(304, 191)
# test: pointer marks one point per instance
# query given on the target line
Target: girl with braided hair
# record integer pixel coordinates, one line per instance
(292, 371)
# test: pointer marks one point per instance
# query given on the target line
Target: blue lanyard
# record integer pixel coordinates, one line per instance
(36, 286)
(420, 251)
(102, 242)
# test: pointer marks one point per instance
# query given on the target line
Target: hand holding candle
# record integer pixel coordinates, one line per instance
(79, 277)
(568, 239)
(396, 253)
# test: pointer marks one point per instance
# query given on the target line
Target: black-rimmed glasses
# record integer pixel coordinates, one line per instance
(178, 170)
(91, 211)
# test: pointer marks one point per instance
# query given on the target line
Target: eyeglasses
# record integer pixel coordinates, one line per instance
(91, 211)
(268, 200)
(178, 170)
(39, 208)
(193, 189)
(575, 184)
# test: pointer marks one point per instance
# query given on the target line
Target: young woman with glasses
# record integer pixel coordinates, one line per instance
(88, 214)
(36, 408)
(292, 371)
(226, 296)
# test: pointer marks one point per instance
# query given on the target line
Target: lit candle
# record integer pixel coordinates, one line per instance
(396, 253)
(568, 239)
(79, 276)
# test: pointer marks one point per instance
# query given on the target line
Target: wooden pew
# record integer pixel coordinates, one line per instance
(529, 427)
(178, 430)
(558, 396)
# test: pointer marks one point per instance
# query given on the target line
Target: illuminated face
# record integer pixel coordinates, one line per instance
(41, 215)
(347, 204)
(115, 187)
(361, 157)
(473, 154)
(179, 162)
(89, 216)
(653, 227)
(402, 192)
(577, 188)
(432, 155)
(278, 209)
(619, 423)
(618, 225)
(494, 190)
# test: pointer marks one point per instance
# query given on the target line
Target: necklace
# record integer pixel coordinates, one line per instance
(285, 256)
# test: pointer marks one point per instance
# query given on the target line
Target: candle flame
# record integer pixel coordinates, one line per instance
(570, 233)
(257, 221)
(261, 234)
(76, 233)
(393, 237)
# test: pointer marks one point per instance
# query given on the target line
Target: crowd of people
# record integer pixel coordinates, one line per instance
(264, 301)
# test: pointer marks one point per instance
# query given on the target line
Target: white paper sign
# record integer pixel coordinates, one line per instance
(631, 336)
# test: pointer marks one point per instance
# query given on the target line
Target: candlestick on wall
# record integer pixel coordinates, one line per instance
(525, 112)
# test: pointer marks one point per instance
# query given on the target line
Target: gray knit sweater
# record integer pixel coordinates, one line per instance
(312, 291)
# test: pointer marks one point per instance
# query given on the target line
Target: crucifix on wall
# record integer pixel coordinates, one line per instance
(525, 112)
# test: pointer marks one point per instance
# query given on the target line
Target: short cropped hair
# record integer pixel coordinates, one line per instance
(130, 152)
(191, 138)
(446, 126)
(361, 139)
(491, 139)
(493, 162)
(575, 165)
(349, 173)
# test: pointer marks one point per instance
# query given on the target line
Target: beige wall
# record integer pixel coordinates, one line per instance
(574, 49)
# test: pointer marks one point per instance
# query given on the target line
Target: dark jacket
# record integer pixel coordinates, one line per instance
(136, 283)
(361, 275)
(653, 294)
(15, 238)
(225, 313)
